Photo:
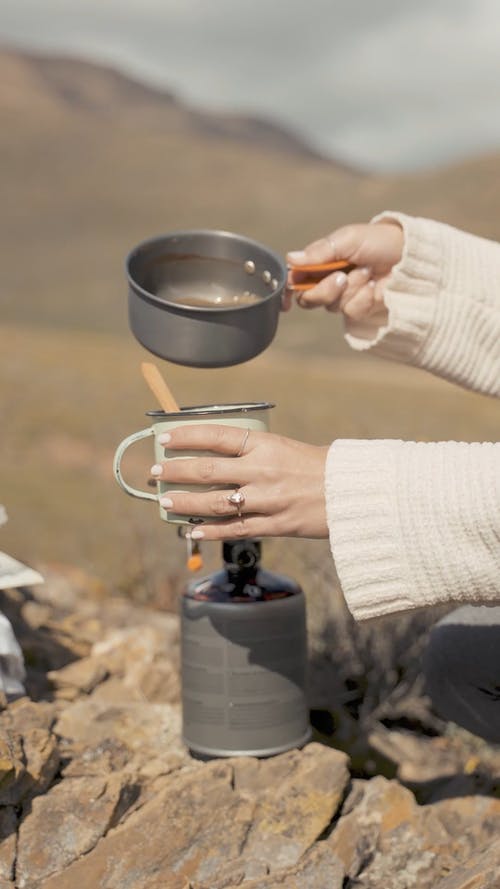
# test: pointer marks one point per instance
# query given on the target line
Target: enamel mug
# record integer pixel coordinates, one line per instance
(252, 416)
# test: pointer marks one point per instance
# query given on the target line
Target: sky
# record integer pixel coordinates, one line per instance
(387, 85)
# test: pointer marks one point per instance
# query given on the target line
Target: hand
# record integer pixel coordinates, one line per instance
(373, 249)
(280, 479)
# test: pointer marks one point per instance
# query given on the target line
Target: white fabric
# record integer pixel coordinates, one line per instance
(412, 523)
(12, 672)
(12, 574)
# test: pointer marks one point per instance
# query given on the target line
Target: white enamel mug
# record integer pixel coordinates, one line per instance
(252, 416)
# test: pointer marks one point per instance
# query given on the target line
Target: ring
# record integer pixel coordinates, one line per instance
(237, 499)
(243, 443)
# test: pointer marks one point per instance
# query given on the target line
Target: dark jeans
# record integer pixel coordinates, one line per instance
(462, 669)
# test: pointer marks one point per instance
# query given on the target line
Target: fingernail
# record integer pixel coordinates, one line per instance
(197, 534)
(164, 438)
(166, 502)
(297, 256)
(156, 469)
(340, 279)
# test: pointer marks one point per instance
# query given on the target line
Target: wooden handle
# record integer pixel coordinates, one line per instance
(159, 387)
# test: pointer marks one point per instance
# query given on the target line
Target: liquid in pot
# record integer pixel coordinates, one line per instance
(209, 296)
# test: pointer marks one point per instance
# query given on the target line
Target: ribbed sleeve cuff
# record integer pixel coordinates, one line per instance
(414, 524)
(410, 296)
(443, 305)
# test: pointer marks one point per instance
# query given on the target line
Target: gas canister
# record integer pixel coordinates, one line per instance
(244, 658)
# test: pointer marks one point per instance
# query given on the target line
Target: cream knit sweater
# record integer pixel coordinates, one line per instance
(414, 523)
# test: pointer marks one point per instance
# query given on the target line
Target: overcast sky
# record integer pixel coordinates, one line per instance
(386, 84)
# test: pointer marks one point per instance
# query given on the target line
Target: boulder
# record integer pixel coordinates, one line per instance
(66, 823)
(97, 788)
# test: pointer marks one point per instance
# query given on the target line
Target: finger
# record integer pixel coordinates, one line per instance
(213, 503)
(355, 281)
(322, 250)
(326, 293)
(362, 303)
(238, 528)
(229, 440)
(343, 243)
(378, 294)
(206, 470)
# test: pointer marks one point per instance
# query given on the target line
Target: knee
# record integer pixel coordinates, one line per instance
(461, 665)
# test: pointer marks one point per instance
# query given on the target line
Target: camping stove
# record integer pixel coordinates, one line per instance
(244, 656)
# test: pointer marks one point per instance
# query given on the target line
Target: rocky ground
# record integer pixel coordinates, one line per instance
(97, 790)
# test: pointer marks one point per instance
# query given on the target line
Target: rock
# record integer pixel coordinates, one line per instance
(149, 731)
(109, 796)
(482, 871)
(209, 826)
(65, 824)
(11, 765)
(81, 676)
(158, 682)
(470, 821)
(192, 827)
(385, 839)
(418, 759)
(42, 757)
(102, 758)
(8, 843)
(29, 754)
(145, 659)
(298, 795)
(318, 869)
(158, 634)
(24, 714)
(128, 664)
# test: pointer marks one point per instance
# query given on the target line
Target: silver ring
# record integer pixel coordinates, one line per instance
(243, 443)
(237, 499)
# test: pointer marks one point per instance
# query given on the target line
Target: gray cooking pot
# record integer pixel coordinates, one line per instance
(166, 272)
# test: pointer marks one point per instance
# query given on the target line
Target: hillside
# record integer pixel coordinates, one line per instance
(91, 163)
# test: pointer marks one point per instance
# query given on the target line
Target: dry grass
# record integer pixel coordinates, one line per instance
(69, 398)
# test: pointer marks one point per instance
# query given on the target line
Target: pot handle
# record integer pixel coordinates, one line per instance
(122, 447)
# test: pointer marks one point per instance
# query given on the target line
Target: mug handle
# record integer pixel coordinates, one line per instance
(122, 447)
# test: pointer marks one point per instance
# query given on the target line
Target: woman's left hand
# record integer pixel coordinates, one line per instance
(281, 480)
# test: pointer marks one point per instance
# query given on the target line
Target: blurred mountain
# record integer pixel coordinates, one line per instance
(75, 86)
(92, 162)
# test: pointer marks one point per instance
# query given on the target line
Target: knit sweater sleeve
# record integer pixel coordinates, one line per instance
(442, 306)
(415, 523)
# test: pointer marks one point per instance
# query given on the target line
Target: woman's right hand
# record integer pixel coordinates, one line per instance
(372, 248)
